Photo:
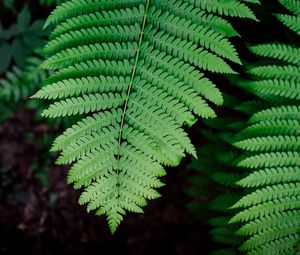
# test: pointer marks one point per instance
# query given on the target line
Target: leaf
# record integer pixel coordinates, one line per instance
(23, 20)
(6, 55)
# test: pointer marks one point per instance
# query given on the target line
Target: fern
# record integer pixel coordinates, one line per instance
(285, 112)
(290, 21)
(269, 176)
(19, 83)
(269, 213)
(136, 69)
(216, 165)
(287, 53)
(291, 5)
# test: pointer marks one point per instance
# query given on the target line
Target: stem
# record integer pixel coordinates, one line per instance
(132, 78)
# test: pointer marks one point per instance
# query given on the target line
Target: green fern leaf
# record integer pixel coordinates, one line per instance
(277, 113)
(286, 72)
(272, 159)
(270, 221)
(136, 68)
(288, 127)
(268, 193)
(284, 245)
(230, 8)
(270, 143)
(269, 176)
(267, 208)
(292, 22)
(292, 5)
(274, 89)
(283, 52)
(265, 237)
(268, 213)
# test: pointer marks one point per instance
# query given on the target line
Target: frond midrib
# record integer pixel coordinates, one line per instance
(134, 69)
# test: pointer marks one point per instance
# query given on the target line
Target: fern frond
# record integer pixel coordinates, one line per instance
(286, 72)
(93, 35)
(284, 127)
(267, 208)
(92, 68)
(126, 16)
(75, 8)
(275, 89)
(231, 8)
(186, 10)
(270, 143)
(267, 236)
(284, 245)
(86, 126)
(287, 53)
(268, 193)
(137, 68)
(292, 22)
(84, 104)
(82, 86)
(292, 5)
(20, 83)
(105, 51)
(217, 171)
(86, 144)
(190, 52)
(269, 214)
(270, 176)
(272, 159)
(291, 218)
(277, 113)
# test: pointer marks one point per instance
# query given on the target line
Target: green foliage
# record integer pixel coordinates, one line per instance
(18, 84)
(17, 42)
(270, 145)
(139, 78)
(21, 54)
(135, 74)
(50, 2)
(216, 164)
(260, 163)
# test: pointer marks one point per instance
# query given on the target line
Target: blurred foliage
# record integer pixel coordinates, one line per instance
(50, 2)
(22, 39)
(21, 46)
(10, 4)
(19, 83)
